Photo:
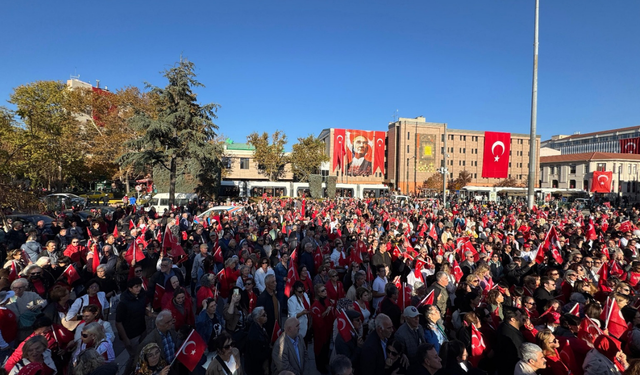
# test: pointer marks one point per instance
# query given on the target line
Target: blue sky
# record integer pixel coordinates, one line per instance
(301, 66)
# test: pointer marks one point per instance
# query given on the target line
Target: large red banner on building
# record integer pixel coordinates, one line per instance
(338, 148)
(495, 162)
(630, 146)
(378, 155)
(358, 153)
(601, 182)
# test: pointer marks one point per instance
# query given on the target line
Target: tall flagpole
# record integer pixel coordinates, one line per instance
(534, 113)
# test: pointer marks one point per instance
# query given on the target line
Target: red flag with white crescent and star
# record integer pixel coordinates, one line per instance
(344, 326)
(477, 345)
(378, 153)
(601, 182)
(339, 152)
(630, 146)
(276, 332)
(191, 351)
(496, 155)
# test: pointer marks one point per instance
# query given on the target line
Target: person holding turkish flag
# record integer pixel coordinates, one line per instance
(495, 162)
(612, 316)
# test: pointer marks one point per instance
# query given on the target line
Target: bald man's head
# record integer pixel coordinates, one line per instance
(292, 327)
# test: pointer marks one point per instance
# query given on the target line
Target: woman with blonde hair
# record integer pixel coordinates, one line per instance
(550, 344)
(484, 274)
(35, 350)
(151, 361)
(93, 337)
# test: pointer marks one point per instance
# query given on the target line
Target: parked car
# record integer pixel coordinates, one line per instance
(67, 199)
(29, 221)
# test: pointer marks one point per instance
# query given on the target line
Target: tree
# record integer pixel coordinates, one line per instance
(46, 152)
(464, 178)
(106, 129)
(433, 183)
(507, 182)
(270, 156)
(179, 130)
(306, 157)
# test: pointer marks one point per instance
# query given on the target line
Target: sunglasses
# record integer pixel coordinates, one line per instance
(299, 291)
(322, 291)
(227, 347)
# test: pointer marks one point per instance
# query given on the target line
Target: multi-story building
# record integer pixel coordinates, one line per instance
(239, 163)
(607, 141)
(575, 171)
(417, 147)
(411, 151)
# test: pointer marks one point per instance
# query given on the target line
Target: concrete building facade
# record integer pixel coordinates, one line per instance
(575, 171)
(415, 150)
(607, 141)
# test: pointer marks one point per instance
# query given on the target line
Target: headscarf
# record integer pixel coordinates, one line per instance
(143, 365)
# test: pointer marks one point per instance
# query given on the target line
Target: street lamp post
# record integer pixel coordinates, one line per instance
(534, 114)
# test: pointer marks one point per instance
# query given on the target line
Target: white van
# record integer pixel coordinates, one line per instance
(160, 201)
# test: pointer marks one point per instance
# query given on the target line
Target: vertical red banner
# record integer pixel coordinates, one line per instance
(338, 148)
(495, 162)
(601, 182)
(378, 155)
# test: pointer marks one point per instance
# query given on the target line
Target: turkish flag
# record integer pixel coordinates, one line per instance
(133, 253)
(589, 330)
(338, 148)
(344, 326)
(369, 274)
(630, 146)
(276, 332)
(428, 299)
(131, 225)
(292, 274)
(13, 274)
(613, 319)
(575, 310)
(457, 271)
(191, 351)
(601, 182)
(378, 155)
(495, 162)
(317, 258)
(550, 244)
(115, 231)
(71, 274)
(217, 254)
(96, 259)
(432, 232)
(418, 270)
(591, 230)
(157, 296)
(477, 345)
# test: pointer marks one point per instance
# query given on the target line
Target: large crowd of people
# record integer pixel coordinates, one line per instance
(344, 286)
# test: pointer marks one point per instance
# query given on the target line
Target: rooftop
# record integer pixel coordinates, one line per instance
(587, 135)
(231, 145)
(588, 156)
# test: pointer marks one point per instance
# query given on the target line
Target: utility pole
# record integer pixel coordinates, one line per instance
(444, 169)
(534, 112)
(415, 165)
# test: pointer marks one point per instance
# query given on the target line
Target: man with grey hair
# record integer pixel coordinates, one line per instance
(25, 303)
(440, 294)
(468, 265)
(164, 335)
(532, 360)
(374, 347)
(269, 300)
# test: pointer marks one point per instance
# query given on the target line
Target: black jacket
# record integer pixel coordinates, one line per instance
(542, 296)
(131, 313)
(265, 300)
(509, 340)
(258, 349)
(374, 363)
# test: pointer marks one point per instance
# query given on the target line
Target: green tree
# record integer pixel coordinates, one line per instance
(306, 157)
(179, 130)
(269, 155)
(47, 154)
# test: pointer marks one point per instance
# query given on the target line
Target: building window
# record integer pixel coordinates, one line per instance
(450, 137)
(586, 168)
(464, 163)
(408, 136)
(226, 162)
(585, 185)
(601, 167)
(572, 184)
(407, 149)
(475, 175)
(629, 169)
(442, 138)
(572, 169)
(244, 163)
(554, 184)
